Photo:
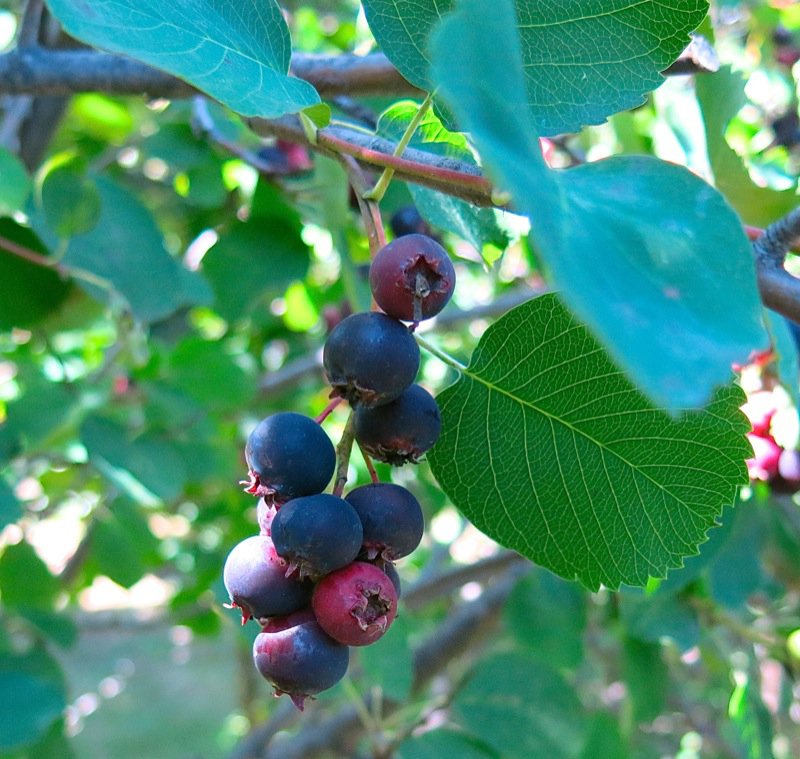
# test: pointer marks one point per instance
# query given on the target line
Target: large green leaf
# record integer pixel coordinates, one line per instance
(548, 448)
(124, 252)
(237, 52)
(10, 509)
(435, 744)
(570, 80)
(644, 251)
(30, 291)
(16, 184)
(522, 709)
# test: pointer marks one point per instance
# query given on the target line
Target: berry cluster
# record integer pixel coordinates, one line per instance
(319, 577)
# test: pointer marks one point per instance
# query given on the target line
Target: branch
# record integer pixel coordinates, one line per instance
(780, 291)
(457, 178)
(37, 71)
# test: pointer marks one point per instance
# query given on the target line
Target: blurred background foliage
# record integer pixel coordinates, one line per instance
(202, 291)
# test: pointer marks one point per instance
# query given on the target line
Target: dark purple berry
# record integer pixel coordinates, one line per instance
(370, 358)
(256, 581)
(299, 658)
(402, 430)
(356, 604)
(317, 534)
(408, 221)
(389, 569)
(412, 278)
(391, 517)
(289, 455)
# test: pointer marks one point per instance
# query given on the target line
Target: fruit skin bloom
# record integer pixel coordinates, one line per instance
(299, 658)
(370, 358)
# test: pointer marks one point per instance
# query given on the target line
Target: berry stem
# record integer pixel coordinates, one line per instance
(326, 412)
(445, 358)
(343, 450)
(370, 211)
(379, 190)
(370, 466)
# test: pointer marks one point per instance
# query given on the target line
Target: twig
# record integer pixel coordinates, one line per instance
(30, 25)
(780, 291)
(31, 256)
(343, 450)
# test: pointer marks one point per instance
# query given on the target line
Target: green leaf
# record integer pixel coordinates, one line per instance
(570, 80)
(25, 580)
(655, 616)
(70, 201)
(538, 710)
(201, 369)
(10, 509)
(646, 677)
(720, 98)
(252, 263)
(114, 553)
(751, 723)
(645, 252)
(604, 739)
(30, 292)
(146, 467)
(32, 698)
(435, 744)
(475, 225)
(236, 52)
(549, 449)
(548, 616)
(125, 251)
(16, 184)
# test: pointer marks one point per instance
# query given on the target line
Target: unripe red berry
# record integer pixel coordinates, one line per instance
(356, 604)
(412, 278)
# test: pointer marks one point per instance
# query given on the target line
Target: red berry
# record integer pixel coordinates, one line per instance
(356, 604)
(412, 278)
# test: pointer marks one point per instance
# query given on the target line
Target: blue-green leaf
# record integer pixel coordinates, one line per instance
(237, 52)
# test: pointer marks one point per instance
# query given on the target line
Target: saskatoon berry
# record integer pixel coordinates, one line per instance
(412, 278)
(298, 657)
(370, 358)
(265, 513)
(402, 430)
(317, 534)
(289, 455)
(356, 604)
(407, 221)
(255, 578)
(391, 517)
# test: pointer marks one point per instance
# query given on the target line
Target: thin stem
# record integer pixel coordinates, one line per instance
(343, 451)
(29, 255)
(370, 211)
(445, 358)
(326, 412)
(379, 190)
(370, 466)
